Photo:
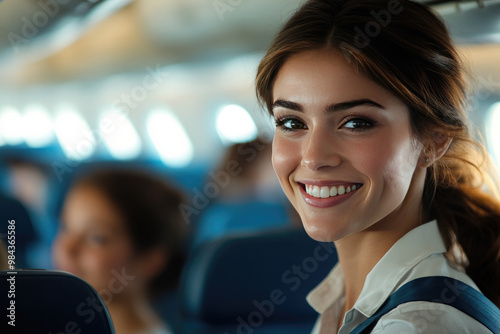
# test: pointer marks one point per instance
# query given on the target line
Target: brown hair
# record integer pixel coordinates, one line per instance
(149, 207)
(404, 47)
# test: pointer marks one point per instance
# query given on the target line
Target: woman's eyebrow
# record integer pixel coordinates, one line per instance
(287, 105)
(331, 108)
(351, 104)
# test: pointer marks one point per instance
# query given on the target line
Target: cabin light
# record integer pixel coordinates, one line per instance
(73, 133)
(493, 121)
(169, 138)
(235, 125)
(11, 125)
(37, 126)
(119, 135)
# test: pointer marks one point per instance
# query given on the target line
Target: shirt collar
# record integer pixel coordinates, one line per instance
(328, 291)
(387, 274)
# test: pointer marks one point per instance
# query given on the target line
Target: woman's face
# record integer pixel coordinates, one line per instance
(343, 149)
(92, 242)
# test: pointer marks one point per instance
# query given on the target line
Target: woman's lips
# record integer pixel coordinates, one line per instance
(326, 196)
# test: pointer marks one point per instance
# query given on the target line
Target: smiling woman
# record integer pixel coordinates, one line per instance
(370, 147)
(373, 149)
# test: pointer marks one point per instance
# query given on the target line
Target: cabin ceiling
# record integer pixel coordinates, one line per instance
(54, 41)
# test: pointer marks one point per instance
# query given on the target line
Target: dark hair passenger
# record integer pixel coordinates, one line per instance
(122, 232)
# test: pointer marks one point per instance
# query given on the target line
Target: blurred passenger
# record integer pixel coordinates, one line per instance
(255, 179)
(251, 173)
(121, 231)
(241, 195)
(246, 174)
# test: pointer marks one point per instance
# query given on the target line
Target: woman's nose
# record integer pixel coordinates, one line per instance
(69, 245)
(319, 151)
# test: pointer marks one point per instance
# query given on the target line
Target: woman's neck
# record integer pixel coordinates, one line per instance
(132, 315)
(360, 252)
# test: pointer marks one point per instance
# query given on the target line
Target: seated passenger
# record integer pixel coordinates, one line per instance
(121, 231)
(253, 177)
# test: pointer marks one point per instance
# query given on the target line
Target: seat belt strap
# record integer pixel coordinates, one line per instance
(439, 289)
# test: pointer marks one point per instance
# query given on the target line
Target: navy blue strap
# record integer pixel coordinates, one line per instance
(439, 289)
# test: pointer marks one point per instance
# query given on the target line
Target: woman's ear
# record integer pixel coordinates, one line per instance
(441, 144)
(438, 144)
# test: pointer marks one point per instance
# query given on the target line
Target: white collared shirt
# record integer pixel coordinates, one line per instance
(418, 253)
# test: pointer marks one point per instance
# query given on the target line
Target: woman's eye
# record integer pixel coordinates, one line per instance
(290, 124)
(98, 239)
(358, 124)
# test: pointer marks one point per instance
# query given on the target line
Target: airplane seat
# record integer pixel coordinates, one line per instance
(230, 217)
(254, 283)
(42, 301)
(24, 233)
(166, 305)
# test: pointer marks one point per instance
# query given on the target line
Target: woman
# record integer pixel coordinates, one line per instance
(373, 149)
(121, 231)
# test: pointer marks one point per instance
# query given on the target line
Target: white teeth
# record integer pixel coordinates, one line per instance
(325, 191)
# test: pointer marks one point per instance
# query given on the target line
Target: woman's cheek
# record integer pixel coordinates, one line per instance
(98, 267)
(396, 170)
(285, 160)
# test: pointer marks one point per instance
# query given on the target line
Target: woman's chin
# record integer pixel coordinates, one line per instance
(322, 232)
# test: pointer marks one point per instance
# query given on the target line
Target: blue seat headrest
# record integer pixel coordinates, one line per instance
(11, 210)
(269, 272)
(40, 301)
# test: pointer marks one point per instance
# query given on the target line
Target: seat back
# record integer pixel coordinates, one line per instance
(230, 217)
(50, 302)
(254, 283)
